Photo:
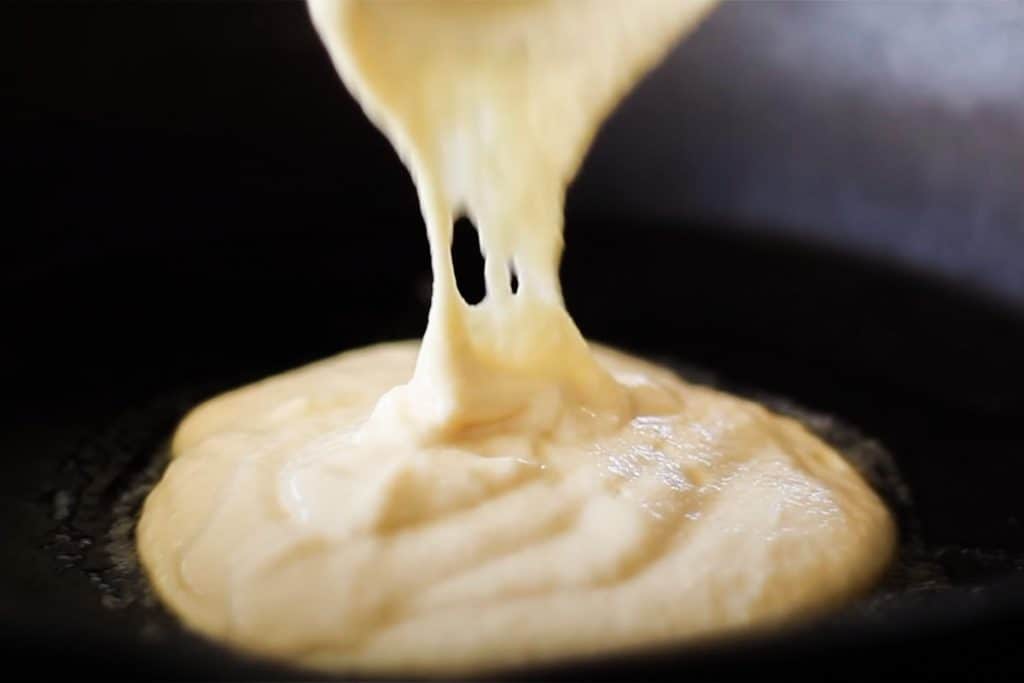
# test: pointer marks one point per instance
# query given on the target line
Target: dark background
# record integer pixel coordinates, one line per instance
(892, 128)
(835, 189)
(146, 145)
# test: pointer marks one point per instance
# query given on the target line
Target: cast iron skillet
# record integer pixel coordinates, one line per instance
(163, 257)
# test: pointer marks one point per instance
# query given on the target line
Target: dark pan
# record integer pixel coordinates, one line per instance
(926, 370)
(201, 215)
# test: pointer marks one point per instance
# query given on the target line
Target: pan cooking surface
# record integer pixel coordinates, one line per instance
(914, 381)
(103, 484)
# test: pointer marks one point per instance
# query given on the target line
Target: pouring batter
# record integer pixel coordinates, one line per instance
(501, 493)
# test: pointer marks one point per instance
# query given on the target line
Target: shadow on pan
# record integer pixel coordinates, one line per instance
(927, 370)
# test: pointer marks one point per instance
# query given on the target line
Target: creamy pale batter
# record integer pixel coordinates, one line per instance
(502, 493)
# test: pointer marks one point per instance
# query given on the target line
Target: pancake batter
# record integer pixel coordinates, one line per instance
(501, 493)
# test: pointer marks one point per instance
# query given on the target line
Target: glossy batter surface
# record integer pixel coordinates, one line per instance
(281, 528)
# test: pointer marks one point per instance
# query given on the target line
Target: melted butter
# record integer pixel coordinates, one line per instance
(500, 493)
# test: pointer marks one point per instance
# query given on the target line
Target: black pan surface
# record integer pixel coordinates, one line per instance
(927, 370)
(190, 212)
